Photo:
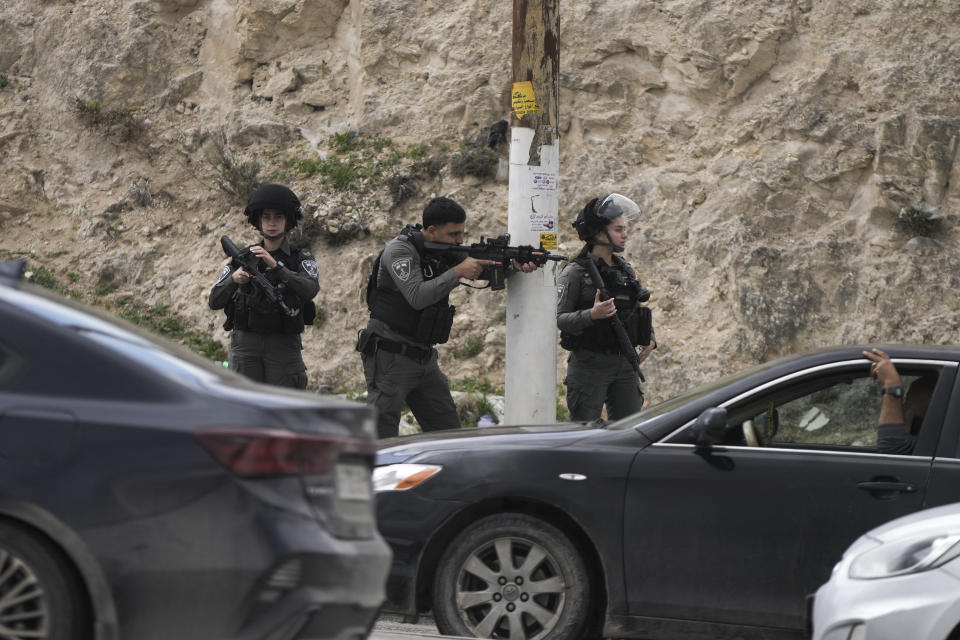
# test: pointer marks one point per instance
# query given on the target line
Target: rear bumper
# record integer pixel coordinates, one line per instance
(231, 567)
(338, 597)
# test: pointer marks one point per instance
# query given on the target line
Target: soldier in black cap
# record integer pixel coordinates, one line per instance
(598, 372)
(265, 344)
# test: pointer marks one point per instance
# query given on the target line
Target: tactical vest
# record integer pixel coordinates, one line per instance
(251, 310)
(624, 288)
(430, 325)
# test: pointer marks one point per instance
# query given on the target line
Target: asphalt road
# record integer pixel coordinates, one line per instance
(390, 627)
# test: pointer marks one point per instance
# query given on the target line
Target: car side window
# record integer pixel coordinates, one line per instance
(839, 412)
(843, 413)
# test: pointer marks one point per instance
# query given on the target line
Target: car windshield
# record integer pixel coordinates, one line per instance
(685, 398)
(151, 351)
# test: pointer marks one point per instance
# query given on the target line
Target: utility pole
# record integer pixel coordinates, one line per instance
(531, 349)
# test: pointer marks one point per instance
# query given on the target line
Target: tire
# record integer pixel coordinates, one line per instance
(39, 596)
(544, 598)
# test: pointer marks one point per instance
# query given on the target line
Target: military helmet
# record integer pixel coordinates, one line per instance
(599, 212)
(273, 196)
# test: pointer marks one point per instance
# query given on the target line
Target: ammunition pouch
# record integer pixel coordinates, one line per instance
(644, 320)
(570, 341)
(435, 324)
(309, 312)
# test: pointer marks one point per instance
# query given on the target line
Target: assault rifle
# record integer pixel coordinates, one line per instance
(623, 340)
(498, 250)
(251, 264)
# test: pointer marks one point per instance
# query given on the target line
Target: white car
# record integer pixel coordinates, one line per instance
(899, 581)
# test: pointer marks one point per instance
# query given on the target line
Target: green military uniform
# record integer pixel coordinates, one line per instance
(265, 344)
(408, 296)
(597, 373)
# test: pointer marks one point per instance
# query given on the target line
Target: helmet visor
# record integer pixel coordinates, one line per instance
(615, 206)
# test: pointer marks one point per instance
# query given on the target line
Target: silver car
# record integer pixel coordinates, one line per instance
(900, 580)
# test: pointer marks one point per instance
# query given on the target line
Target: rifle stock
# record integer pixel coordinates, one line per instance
(623, 340)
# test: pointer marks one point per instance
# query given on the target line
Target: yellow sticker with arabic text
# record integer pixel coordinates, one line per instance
(548, 241)
(523, 99)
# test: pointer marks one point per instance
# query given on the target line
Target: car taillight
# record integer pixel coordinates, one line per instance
(253, 453)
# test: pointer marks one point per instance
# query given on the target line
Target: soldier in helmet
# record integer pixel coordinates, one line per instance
(265, 344)
(597, 372)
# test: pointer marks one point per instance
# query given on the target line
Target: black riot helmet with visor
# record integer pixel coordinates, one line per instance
(597, 215)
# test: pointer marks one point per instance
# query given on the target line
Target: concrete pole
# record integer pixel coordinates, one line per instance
(531, 350)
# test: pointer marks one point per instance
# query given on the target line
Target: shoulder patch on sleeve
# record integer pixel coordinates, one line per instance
(401, 267)
(310, 266)
(224, 273)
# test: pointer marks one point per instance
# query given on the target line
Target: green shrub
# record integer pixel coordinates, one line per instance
(471, 346)
(238, 179)
(46, 278)
(473, 407)
(469, 384)
(418, 151)
(105, 289)
(920, 220)
(401, 187)
(159, 319)
(475, 161)
(121, 121)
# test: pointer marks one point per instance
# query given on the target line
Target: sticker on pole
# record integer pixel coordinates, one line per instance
(548, 241)
(523, 99)
(543, 222)
(544, 181)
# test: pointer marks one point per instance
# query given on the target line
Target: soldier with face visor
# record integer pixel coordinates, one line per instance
(598, 373)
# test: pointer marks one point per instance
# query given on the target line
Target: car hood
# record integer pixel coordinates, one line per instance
(395, 450)
(945, 519)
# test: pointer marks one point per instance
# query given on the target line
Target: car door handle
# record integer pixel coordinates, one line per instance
(887, 485)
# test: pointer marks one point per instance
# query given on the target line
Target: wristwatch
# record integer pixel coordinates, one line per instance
(896, 392)
(279, 265)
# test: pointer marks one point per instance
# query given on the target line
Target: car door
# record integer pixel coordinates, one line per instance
(739, 534)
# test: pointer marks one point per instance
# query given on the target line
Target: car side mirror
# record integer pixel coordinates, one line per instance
(710, 427)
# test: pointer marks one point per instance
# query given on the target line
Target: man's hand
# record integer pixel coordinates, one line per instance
(526, 267)
(883, 369)
(471, 268)
(602, 308)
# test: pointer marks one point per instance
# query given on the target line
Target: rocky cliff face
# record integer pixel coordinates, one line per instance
(795, 160)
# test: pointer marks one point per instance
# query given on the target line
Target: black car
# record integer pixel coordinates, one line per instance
(145, 495)
(711, 515)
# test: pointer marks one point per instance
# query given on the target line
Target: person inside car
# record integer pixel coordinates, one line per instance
(900, 414)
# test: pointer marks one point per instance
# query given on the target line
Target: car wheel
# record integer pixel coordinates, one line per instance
(511, 576)
(38, 593)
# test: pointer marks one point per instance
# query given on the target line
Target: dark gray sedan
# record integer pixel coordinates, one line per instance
(145, 495)
(712, 515)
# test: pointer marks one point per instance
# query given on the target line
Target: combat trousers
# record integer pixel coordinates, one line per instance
(393, 378)
(274, 358)
(594, 379)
